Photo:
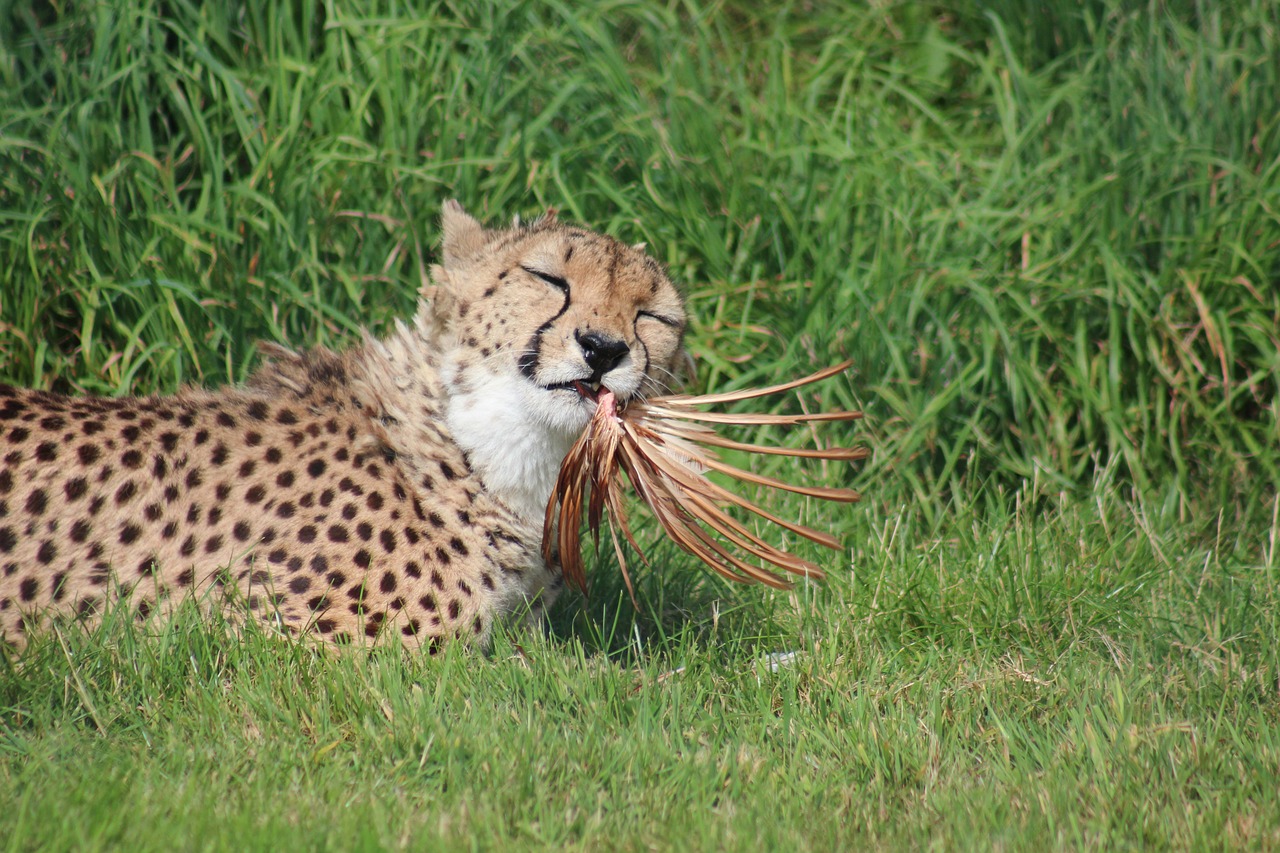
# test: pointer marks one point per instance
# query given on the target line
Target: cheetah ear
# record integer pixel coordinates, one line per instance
(463, 235)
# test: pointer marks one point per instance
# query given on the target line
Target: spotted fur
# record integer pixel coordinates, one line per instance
(393, 490)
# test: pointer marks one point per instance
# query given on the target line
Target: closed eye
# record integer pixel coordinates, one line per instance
(664, 320)
(554, 280)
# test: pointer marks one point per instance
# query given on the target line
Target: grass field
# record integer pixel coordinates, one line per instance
(1049, 238)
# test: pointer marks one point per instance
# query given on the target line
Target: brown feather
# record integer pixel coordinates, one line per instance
(659, 443)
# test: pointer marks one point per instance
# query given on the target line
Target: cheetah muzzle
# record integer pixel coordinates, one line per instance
(396, 489)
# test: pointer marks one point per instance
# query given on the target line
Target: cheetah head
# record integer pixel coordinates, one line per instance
(539, 318)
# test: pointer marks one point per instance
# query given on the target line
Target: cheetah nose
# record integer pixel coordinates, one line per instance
(601, 352)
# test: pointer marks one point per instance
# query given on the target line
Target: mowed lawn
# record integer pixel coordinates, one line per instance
(1047, 236)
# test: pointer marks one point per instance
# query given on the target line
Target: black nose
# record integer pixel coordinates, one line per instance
(602, 353)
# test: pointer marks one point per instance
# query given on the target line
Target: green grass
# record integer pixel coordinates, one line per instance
(1049, 239)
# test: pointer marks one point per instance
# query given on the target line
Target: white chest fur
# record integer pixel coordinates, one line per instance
(499, 422)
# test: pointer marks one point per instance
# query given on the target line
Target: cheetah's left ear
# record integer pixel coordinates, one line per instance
(463, 235)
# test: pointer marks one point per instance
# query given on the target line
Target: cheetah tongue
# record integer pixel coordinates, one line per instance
(607, 403)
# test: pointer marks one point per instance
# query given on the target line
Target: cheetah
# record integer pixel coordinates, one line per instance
(396, 489)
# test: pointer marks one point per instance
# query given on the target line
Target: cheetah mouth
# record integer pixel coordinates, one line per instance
(586, 390)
